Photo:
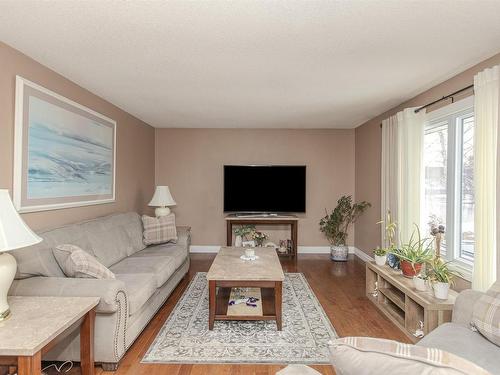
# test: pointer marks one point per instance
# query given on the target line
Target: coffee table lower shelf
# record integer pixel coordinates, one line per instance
(271, 293)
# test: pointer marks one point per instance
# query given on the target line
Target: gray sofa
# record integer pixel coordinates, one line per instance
(458, 338)
(145, 277)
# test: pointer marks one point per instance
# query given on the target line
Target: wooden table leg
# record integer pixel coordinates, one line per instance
(278, 302)
(29, 365)
(211, 304)
(87, 343)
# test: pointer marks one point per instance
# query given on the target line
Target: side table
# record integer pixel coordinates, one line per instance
(36, 324)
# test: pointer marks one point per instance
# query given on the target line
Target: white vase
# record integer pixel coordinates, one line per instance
(238, 241)
(380, 260)
(419, 284)
(441, 290)
(339, 253)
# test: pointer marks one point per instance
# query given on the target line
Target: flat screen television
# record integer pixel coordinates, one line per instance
(265, 189)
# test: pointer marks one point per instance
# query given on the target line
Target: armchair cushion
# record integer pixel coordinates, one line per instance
(486, 314)
(372, 356)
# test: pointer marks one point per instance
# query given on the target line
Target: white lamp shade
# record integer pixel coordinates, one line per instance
(162, 197)
(14, 233)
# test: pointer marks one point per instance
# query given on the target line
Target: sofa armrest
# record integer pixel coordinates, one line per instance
(107, 290)
(464, 305)
(184, 236)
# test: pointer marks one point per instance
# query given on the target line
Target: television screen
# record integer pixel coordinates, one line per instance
(259, 189)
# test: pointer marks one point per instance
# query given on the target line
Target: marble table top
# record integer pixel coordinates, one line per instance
(227, 265)
(36, 321)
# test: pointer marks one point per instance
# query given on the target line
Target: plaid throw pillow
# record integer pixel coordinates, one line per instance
(159, 229)
(372, 356)
(75, 262)
(486, 314)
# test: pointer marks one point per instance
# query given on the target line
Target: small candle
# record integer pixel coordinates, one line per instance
(250, 253)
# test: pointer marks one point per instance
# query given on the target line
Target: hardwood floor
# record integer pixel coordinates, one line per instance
(340, 288)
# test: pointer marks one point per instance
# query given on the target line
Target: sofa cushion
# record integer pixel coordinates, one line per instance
(161, 267)
(177, 253)
(77, 263)
(372, 356)
(486, 314)
(139, 288)
(132, 224)
(109, 243)
(462, 341)
(38, 260)
(159, 230)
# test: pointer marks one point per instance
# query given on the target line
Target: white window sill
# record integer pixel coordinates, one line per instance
(464, 268)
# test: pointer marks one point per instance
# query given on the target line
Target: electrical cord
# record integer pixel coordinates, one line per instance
(58, 368)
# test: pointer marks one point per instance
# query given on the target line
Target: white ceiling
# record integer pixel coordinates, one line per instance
(246, 64)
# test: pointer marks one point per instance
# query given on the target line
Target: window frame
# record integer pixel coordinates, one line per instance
(454, 115)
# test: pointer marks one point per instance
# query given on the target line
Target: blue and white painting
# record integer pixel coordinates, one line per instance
(69, 154)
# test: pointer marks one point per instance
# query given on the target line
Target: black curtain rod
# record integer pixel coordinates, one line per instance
(450, 96)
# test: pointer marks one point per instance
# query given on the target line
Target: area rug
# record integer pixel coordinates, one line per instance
(185, 337)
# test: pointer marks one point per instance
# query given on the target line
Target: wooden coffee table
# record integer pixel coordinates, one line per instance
(229, 271)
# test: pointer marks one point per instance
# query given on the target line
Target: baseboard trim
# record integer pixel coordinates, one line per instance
(207, 249)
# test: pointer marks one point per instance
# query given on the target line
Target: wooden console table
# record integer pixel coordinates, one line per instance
(405, 306)
(267, 220)
(38, 323)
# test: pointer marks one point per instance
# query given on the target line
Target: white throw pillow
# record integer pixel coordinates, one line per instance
(159, 230)
(372, 356)
(75, 262)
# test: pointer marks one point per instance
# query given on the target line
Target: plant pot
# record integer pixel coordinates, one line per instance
(409, 269)
(380, 260)
(339, 253)
(238, 241)
(419, 284)
(441, 290)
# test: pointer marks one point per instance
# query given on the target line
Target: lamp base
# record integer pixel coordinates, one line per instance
(8, 267)
(162, 211)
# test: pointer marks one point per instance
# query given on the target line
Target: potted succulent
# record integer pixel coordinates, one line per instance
(241, 233)
(441, 277)
(380, 256)
(414, 254)
(336, 224)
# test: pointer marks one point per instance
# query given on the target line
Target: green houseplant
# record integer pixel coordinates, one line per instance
(414, 254)
(335, 225)
(241, 233)
(390, 236)
(441, 277)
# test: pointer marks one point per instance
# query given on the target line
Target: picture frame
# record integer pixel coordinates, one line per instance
(64, 152)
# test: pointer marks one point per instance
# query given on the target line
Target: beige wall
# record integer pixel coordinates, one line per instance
(368, 151)
(135, 142)
(191, 162)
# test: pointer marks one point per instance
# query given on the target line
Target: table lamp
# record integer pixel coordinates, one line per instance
(14, 233)
(162, 199)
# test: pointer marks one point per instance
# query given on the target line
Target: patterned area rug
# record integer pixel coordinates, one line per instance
(185, 337)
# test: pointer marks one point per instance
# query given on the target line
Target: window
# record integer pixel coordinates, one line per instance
(449, 179)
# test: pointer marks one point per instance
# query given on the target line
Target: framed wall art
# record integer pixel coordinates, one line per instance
(64, 153)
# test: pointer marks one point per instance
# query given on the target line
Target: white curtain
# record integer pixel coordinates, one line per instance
(402, 168)
(486, 103)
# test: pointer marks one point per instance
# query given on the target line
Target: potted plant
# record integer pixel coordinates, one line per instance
(414, 254)
(259, 237)
(380, 256)
(335, 225)
(441, 277)
(390, 236)
(241, 233)
(420, 282)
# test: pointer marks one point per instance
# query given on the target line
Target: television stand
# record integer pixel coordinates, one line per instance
(268, 220)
